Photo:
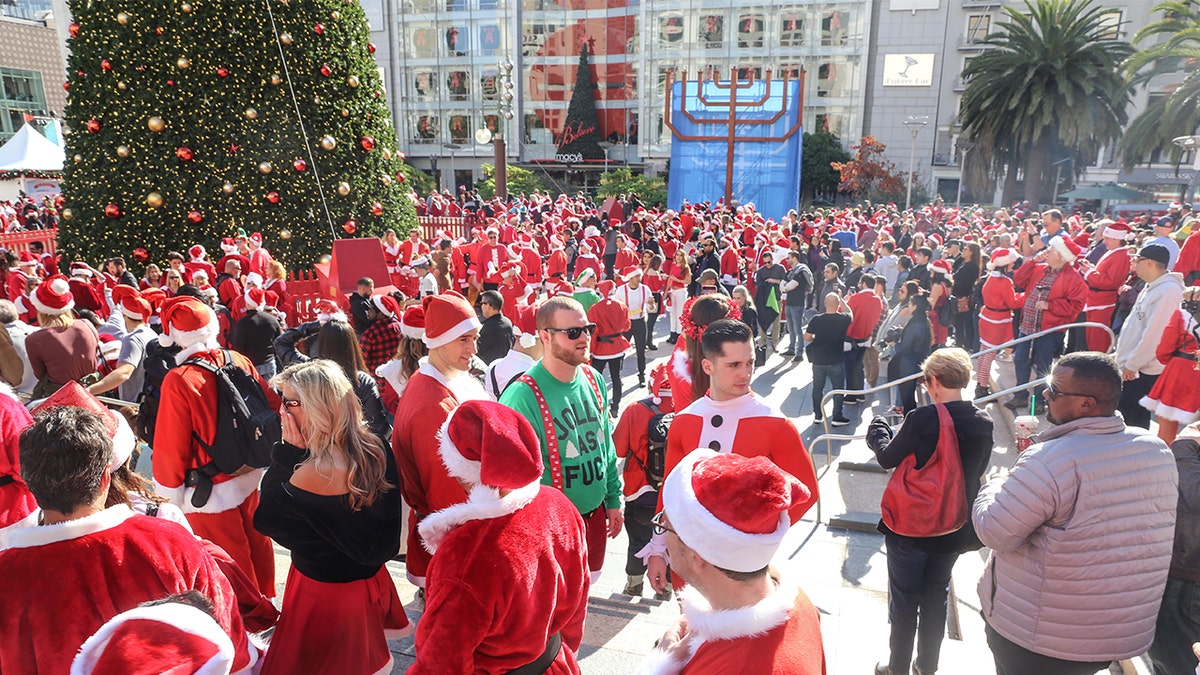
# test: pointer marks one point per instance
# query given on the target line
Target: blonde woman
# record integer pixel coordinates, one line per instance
(330, 496)
(679, 277)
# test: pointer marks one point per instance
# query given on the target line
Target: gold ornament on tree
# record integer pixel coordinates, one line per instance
(335, 15)
(227, 188)
(387, 154)
(156, 124)
(276, 79)
(78, 158)
(352, 81)
(345, 112)
(285, 38)
(186, 8)
(121, 85)
(68, 214)
(285, 234)
(123, 18)
(154, 200)
(250, 113)
(122, 151)
(343, 188)
(328, 142)
(264, 167)
(183, 63)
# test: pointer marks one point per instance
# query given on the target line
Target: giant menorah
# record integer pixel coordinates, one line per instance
(753, 121)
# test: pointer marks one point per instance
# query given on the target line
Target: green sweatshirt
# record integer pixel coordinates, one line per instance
(584, 431)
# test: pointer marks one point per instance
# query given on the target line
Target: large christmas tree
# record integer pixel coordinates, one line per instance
(190, 119)
(581, 131)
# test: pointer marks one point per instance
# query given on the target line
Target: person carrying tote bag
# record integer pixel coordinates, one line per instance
(951, 442)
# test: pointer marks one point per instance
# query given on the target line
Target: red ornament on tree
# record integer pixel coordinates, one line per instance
(184, 154)
(158, 30)
(194, 217)
(371, 47)
(73, 29)
(299, 164)
(105, 65)
(140, 254)
(170, 83)
(326, 70)
(79, 73)
(66, 86)
(273, 197)
(113, 210)
(376, 209)
(222, 72)
(400, 176)
(319, 29)
(93, 126)
(350, 226)
(367, 143)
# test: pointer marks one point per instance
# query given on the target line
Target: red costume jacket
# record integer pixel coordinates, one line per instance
(1000, 299)
(556, 265)
(1066, 295)
(16, 502)
(611, 317)
(632, 441)
(1105, 280)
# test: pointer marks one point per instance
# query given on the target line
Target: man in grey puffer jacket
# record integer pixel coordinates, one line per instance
(1081, 533)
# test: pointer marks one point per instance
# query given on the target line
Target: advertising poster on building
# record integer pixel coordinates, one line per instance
(908, 70)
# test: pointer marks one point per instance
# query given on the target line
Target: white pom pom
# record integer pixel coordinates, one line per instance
(527, 340)
(165, 340)
(60, 287)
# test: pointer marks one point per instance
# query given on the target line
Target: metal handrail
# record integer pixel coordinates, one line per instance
(829, 438)
(1006, 345)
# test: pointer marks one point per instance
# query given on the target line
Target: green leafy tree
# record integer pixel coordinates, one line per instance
(519, 182)
(1172, 44)
(624, 181)
(1049, 80)
(817, 175)
(581, 130)
(185, 120)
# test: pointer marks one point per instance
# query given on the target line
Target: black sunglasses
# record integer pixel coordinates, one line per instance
(574, 332)
(1053, 394)
(658, 526)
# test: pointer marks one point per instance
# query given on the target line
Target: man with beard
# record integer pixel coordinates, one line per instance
(567, 403)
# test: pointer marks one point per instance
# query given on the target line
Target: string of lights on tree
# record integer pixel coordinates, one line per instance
(182, 129)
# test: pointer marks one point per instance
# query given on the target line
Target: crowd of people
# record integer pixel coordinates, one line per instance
(469, 415)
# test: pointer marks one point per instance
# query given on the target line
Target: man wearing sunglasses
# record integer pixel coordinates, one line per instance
(566, 401)
(1081, 532)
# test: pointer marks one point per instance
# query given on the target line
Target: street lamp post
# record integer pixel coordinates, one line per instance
(504, 106)
(1058, 174)
(1190, 144)
(914, 124)
(453, 180)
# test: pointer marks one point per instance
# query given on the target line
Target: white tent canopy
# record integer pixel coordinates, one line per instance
(28, 150)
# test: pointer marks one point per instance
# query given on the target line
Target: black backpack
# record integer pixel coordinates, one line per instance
(155, 364)
(656, 453)
(247, 427)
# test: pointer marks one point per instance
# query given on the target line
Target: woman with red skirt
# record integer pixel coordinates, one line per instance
(330, 496)
(1175, 397)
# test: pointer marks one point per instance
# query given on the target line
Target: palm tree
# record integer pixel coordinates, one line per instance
(1048, 82)
(1177, 48)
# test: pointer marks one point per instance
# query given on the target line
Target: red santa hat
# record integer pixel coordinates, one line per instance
(1002, 257)
(942, 266)
(80, 269)
(190, 324)
(585, 246)
(123, 438)
(167, 638)
(199, 274)
(561, 287)
(254, 279)
(1068, 249)
(556, 242)
(197, 252)
(256, 299)
(256, 239)
(130, 302)
(386, 305)
(730, 509)
(1118, 230)
(525, 239)
(486, 443)
(228, 245)
(660, 383)
(327, 310)
(936, 238)
(630, 272)
(447, 316)
(510, 268)
(605, 288)
(412, 323)
(53, 296)
(27, 259)
(154, 296)
(525, 325)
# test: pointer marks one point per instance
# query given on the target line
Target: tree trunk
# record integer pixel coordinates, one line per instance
(1010, 185)
(1035, 167)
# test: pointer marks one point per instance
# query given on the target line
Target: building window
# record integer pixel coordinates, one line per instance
(792, 72)
(456, 41)
(460, 127)
(427, 129)
(1109, 27)
(748, 73)
(712, 31)
(834, 28)
(487, 85)
(456, 85)
(536, 132)
(491, 122)
(978, 27)
(670, 30)
(425, 85)
(792, 30)
(424, 42)
(750, 30)
(534, 35)
(489, 39)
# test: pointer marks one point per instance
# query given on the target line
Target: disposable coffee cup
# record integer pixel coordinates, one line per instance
(1027, 426)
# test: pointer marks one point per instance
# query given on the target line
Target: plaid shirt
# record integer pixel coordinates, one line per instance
(379, 342)
(1031, 316)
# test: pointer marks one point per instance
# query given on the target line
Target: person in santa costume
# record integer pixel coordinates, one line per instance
(508, 584)
(587, 260)
(259, 256)
(175, 635)
(566, 401)
(412, 248)
(187, 424)
(723, 518)
(556, 263)
(609, 340)
(87, 289)
(1175, 397)
(88, 562)
(1000, 299)
(16, 501)
(330, 495)
(198, 263)
(642, 477)
(1104, 282)
(442, 382)
(732, 419)
(488, 258)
